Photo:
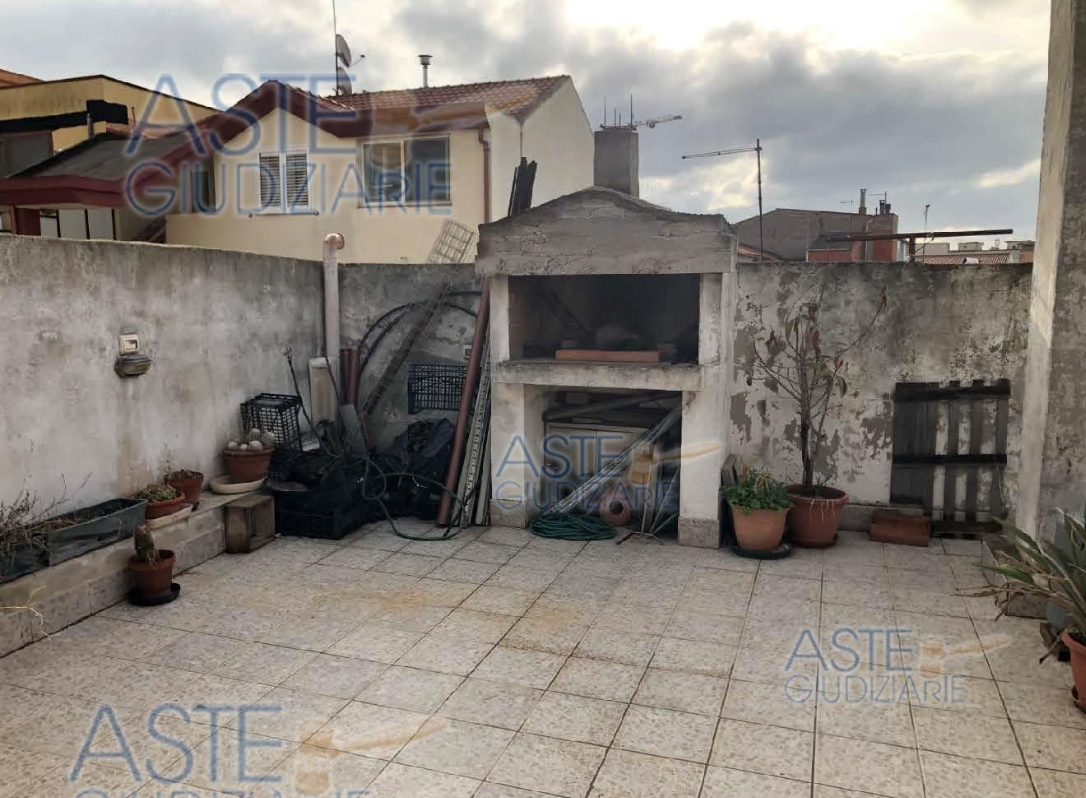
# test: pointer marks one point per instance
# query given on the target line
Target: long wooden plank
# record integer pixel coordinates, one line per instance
(976, 440)
(950, 476)
(610, 355)
(995, 503)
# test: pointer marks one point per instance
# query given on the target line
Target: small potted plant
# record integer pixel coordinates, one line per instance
(248, 461)
(759, 505)
(161, 500)
(152, 569)
(190, 483)
(1053, 572)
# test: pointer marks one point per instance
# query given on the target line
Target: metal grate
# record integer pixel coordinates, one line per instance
(452, 243)
(433, 386)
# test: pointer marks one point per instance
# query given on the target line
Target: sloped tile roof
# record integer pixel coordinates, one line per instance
(518, 98)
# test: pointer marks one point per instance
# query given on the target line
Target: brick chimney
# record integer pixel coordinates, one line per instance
(616, 160)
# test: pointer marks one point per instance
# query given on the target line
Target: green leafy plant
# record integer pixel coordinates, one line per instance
(158, 493)
(799, 363)
(146, 550)
(1041, 568)
(757, 490)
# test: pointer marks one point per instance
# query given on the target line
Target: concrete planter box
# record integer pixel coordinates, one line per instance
(24, 560)
(114, 520)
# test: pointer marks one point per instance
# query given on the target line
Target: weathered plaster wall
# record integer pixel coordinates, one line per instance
(215, 323)
(368, 291)
(941, 324)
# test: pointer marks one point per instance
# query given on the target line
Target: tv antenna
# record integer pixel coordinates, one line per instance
(342, 58)
(633, 124)
(757, 149)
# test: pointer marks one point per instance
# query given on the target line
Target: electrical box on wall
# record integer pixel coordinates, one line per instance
(129, 343)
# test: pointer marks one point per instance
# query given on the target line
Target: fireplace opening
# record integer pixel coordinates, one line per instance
(622, 318)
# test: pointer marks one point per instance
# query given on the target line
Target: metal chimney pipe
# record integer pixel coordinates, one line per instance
(863, 201)
(425, 59)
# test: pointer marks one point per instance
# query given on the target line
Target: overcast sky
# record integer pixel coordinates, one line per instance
(931, 101)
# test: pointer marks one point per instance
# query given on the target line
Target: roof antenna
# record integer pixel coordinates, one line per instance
(425, 59)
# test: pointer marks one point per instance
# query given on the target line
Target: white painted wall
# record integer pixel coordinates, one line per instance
(559, 138)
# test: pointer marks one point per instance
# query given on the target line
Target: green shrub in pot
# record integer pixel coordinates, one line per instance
(759, 505)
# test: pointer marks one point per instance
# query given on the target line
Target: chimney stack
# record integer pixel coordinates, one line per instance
(616, 160)
(425, 59)
(863, 202)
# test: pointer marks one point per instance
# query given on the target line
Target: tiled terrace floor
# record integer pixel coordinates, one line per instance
(498, 665)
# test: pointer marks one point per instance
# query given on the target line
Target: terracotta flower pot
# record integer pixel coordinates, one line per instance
(153, 579)
(190, 486)
(813, 519)
(247, 466)
(168, 507)
(758, 530)
(1078, 668)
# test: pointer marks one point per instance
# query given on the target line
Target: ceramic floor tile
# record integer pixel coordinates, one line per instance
(823, 791)
(701, 626)
(505, 791)
(969, 734)
(783, 587)
(876, 721)
(264, 664)
(856, 594)
(486, 627)
(520, 666)
(315, 771)
(769, 750)
(684, 692)
(21, 705)
(455, 747)
(539, 763)
(220, 763)
(339, 677)
(1013, 648)
(402, 781)
(1052, 747)
(410, 689)
(369, 730)
(500, 600)
(23, 769)
(868, 767)
(665, 732)
(576, 718)
(625, 774)
(67, 725)
(506, 536)
(565, 610)
(771, 704)
(596, 678)
(957, 777)
(543, 635)
(1044, 705)
(355, 557)
(728, 783)
(436, 547)
(464, 571)
(377, 643)
(288, 714)
(410, 617)
(491, 703)
(523, 579)
(408, 564)
(446, 654)
(956, 693)
(1055, 784)
(692, 656)
(479, 551)
(615, 645)
(197, 652)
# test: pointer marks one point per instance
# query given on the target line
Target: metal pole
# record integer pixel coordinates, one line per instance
(761, 232)
(335, 52)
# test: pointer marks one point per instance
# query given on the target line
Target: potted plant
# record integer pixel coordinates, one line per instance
(161, 500)
(800, 364)
(152, 569)
(22, 544)
(1055, 573)
(190, 483)
(248, 461)
(759, 505)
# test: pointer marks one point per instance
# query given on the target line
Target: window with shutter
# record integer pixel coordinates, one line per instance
(296, 180)
(270, 196)
(412, 171)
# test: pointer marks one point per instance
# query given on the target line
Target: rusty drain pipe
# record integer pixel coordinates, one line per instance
(332, 242)
(452, 476)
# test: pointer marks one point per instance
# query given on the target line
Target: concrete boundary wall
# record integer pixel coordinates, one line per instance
(942, 323)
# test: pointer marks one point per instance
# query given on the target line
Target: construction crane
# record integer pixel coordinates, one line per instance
(633, 124)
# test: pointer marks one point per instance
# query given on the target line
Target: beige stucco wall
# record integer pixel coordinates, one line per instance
(373, 234)
(68, 96)
(559, 138)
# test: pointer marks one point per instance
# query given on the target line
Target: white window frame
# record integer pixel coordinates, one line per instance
(281, 158)
(403, 143)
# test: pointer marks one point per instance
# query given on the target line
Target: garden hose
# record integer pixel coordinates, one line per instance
(572, 527)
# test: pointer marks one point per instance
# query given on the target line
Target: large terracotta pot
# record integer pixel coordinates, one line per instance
(758, 530)
(813, 519)
(1078, 668)
(153, 579)
(247, 466)
(190, 486)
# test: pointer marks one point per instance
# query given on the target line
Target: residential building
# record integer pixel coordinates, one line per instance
(797, 234)
(39, 118)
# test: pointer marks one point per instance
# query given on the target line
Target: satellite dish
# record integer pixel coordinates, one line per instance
(343, 81)
(343, 50)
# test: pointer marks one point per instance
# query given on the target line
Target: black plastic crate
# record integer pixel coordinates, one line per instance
(275, 413)
(434, 386)
(328, 526)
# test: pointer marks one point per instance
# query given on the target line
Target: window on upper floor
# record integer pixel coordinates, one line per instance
(408, 172)
(284, 181)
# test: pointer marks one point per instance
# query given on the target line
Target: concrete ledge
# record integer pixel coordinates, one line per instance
(71, 591)
(701, 532)
(639, 376)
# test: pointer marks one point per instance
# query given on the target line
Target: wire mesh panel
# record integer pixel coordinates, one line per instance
(452, 243)
(277, 414)
(433, 386)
